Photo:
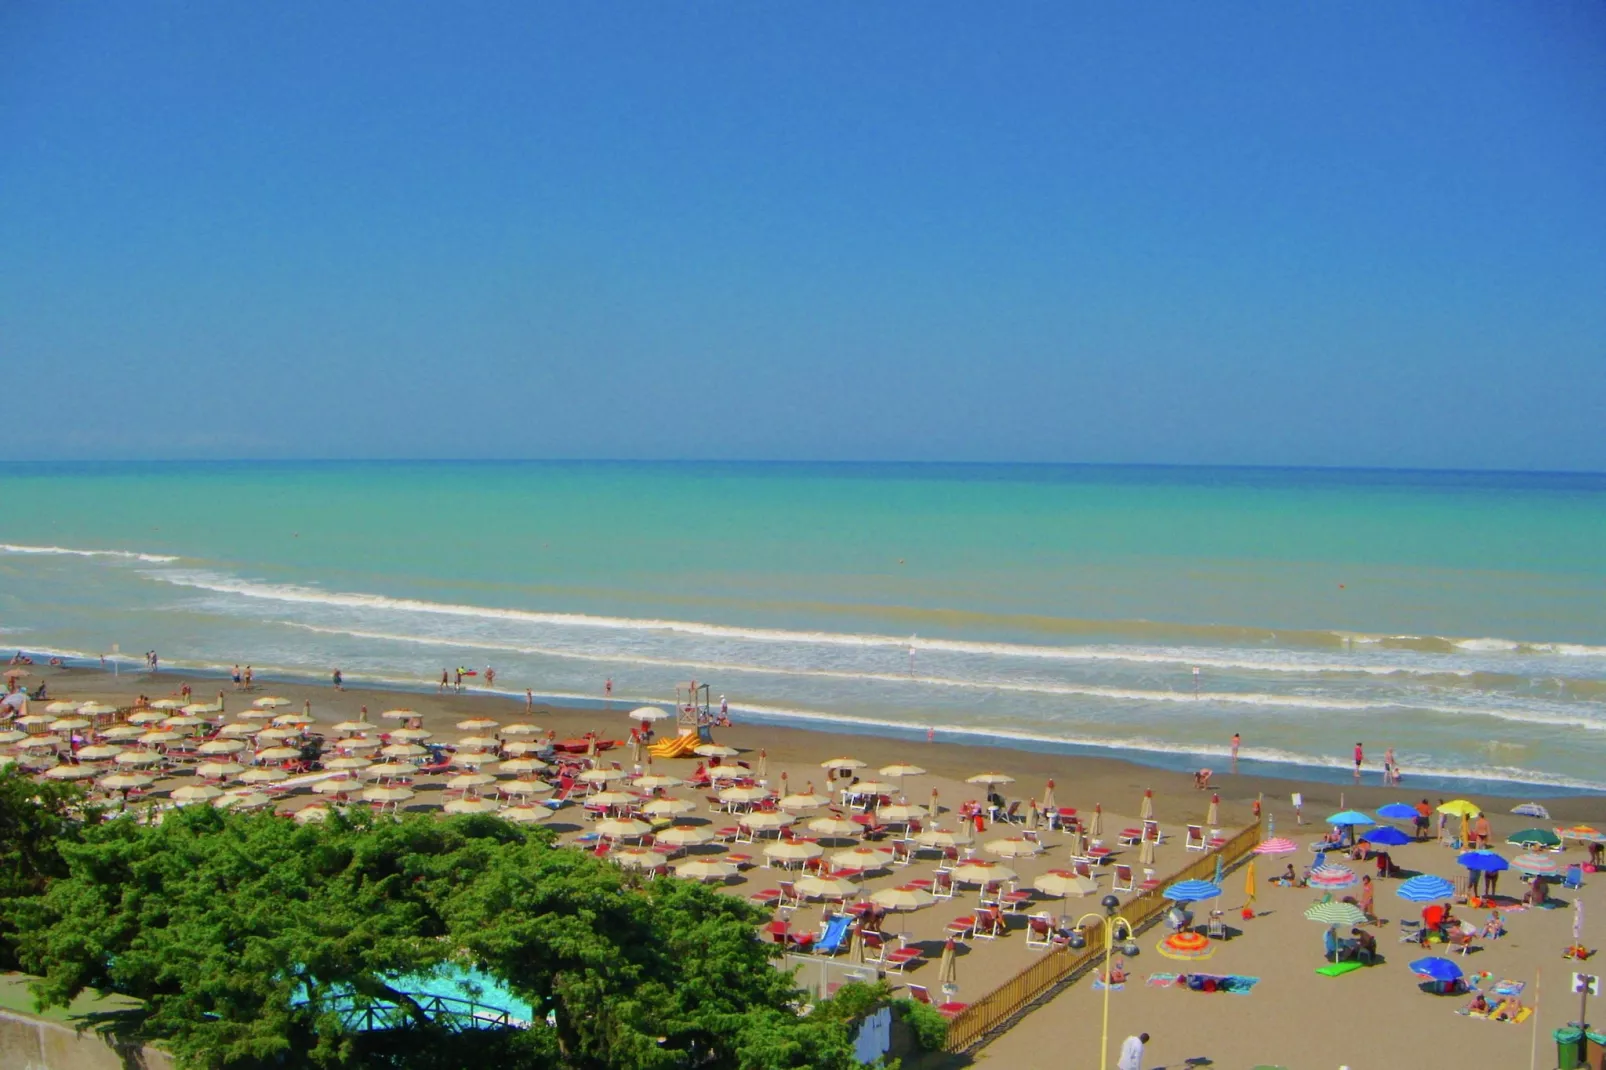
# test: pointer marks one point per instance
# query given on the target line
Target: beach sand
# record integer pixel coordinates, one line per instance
(1293, 1017)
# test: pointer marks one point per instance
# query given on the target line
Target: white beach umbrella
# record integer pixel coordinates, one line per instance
(357, 743)
(349, 763)
(469, 781)
(143, 717)
(602, 776)
(62, 707)
(150, 739)
(842, 763)
(647, 713)
(12, 736)
(402, 750)
(615, 827)
(278, 754)
(41, 742)
(70, 724)
(1064, 883)
(264, 776)
(221, 746)
(390, 769)
(1014, 847)
(767, 819)
(990, 778)
(354, 726)
(99, 752)
(122, 731)
(35, 720)
(793, 851)
(182, 720)
(743, 795)
(138, 757)
(238, 730)
(978, 872)
(96, 709)
(476, 742)
(901, 769)
(906, 898)
(658, 780)
(168, 704)
(254, 713)
(194, 793)
(309, 814)
(942, 838)
(715, 750)
(668, 807)
(242, 800)
(126, 781)
(475, 759)
(471, 805)
(861, 857)
(637, 858)
(729, 772)
(477, 724)
(387, 794)
(274, 735)
(803, 801)
(835, 826)
(271, 702)
(411, 735)
(613, 797)
(399, 714)
(521, 747)
(218, 770)
(336, 786)
(826, 887)
(525, 787)
(523, 765)
(873, 787)
(903, 812)
(523, 728)
(71, 772)
(286, 720)
(525, 815)
(705, 869)
(686, 836)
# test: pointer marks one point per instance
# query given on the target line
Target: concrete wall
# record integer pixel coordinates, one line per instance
(28, 1043)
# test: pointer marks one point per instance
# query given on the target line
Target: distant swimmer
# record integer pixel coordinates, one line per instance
(1198, 679)
(1236, 740)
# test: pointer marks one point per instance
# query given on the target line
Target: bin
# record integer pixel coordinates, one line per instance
(1569, 1048)
(1595, 1050)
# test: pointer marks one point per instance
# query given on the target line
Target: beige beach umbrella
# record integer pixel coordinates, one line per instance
(602, 776)
(390, 769)
(221, 746)
(636, 858)
(943, 838)
(138, 757)
(399, 714)
(525, 787)
(902, 812)
(826, 887)
(906, 898)
(728, 772)
(470, 781)
(44, 742)
(254, 713)
(715, 750)
(353, 726)
(143, 717)
(947, 966)
(336, 786)
(1014, 847)
(35, 720)
(477, 724)
(873, 787)
(71, 772)
(99, 752)
(1064, 883)
(182, 720)
(242, 800)
(834, 826)
(521, 747)
(525, 815)
(238, 730)
(615, 827)
(844, 762)
(150, 739)
(705, 869)
(792, 851)
(278, 754)
(264, 776)
(647, 713)
(1095, 827)
(63, 707)
(1146, 810)
(613, 797)
(1146, 852)
(990, 779)
(218, 770)
(271, 702)
(387, 794)
(357, 743)
(897, 770)
(523, 765)
(523, 728)
(126, 781)
(471, 804)
(804, 801)
(766, 820)
(1213, 815)
(482, 760)
(168, 704)
(70, 724)
(122, 731)
(12, 736)
(686, 836)
(658, 780)
(191, 793)
(308, 814)
(411, 735)
(287, 720)
(402, 750)
(274, 735)
(337, 765)
(476, 742)
(978, 872)
(96, 709)
(668, 807)
(743, 795)
(861, 857)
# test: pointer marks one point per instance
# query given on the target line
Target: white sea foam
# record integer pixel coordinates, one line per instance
(63, 551)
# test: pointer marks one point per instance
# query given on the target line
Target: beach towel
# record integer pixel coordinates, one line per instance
(1099, 986)
(1508, 988)
(1516, 1019)
(1241, 986)
(1161, 980)
(1338, 969)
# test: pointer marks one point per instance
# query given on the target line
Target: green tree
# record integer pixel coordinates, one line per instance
(36, 818)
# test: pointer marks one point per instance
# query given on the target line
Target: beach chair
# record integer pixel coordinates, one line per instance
(943, 886)
(1152, 833)
(989, 893)
(1130, 837)
(1574, 877)
(1216, 841)
(1151, 881)
(1122, 881)
(902, 853)
(947, 1010)
(1039, 932)
(1015, 900)
(1083, 867)
(1196, 839)
(896, 960)
(960, 928)
(874, 945)
(767, 897)
(1216, 927)
(789, 897)
(989, 924)
(950, 859)
(1012, 814)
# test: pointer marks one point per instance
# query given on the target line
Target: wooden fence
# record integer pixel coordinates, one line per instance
(982, 1017)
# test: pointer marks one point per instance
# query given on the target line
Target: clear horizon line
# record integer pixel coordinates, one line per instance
(866, 462)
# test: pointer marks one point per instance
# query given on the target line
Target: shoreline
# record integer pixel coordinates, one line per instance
(1109, 775)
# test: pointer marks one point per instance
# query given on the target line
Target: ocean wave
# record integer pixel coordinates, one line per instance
(293, 593)
(63, 551)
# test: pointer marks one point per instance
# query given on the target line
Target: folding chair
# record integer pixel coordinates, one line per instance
(1123, 879)
(1196, 839)
(1039, 932)
(943, 887)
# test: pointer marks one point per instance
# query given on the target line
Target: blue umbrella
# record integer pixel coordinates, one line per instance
(1425, 889)
(1351, 817)
(1386, 836)
(1192, 891)
(1531, 810)
(1397, 811)
(1436, 969)
(1484, 861)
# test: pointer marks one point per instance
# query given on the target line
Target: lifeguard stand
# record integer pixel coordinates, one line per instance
(692, 713)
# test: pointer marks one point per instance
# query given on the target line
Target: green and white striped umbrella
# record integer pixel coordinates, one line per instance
(1336, 913)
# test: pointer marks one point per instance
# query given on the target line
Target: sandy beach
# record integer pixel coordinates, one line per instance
(1292, 1017)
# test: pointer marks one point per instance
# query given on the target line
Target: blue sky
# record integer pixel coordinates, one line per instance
(1227, 233)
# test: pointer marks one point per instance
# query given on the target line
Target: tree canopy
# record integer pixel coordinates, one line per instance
(238, 931)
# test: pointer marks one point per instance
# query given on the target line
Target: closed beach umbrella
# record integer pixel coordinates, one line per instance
(1425, 888)
(1397, 811)
(834, 826)
(1013, 847)
(1048, 796)
(947, 972)
(263, 776)
(803, 801)
(1186, 945)
(658, 780)
(686, 836)
(979, 872)
(905, 898)
(1277, 845)
(901, 769)
(1386, 836)
(1146, 809)
(602, 776)
(1526, 838)
(477, 724)
(221, 746)
(1332, 877)
(990, 778)
(1096, 826)
(1483, 861)
(402, 750)
(616, 827)
(218, 770)
(705, 869)
(826, 887)
(793, 851)
(647, 713)
(1336, 913)
(1434, 968)
(471, 805)
(767, 820)
(1064, 883)
(1532, 864)
(71, 772)
(1213, 815)
(668, 807)
(1192, 891)
(861, 857)
(194, 793)
(842, 763)
(271, 702)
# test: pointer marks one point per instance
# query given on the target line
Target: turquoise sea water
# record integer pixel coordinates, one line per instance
(1457, 617)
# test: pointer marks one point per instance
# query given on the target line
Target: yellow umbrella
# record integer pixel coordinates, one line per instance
(1249, 889)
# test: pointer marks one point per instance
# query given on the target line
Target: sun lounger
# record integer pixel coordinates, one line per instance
(834, 938)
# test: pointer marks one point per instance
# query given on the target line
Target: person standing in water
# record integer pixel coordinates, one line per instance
(1360, 756)
(446, 678)
(1236, 740)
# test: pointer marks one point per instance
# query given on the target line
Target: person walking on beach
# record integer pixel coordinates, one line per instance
(1424, 814)
(340, 683)
(460, 679)
(235, 676)
(490, 676)
(529, 701)
(1360, 756)
(248, 677)
(1388, 766)
(446, 678)
(1132, 1053)
(1236, 740)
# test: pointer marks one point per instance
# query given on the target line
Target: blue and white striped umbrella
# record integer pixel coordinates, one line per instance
(1425, 889)
(1192, 891)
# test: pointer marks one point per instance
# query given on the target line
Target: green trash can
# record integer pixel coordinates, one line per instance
(1569, 1048)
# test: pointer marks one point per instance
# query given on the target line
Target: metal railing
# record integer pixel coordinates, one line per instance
(984, 1016)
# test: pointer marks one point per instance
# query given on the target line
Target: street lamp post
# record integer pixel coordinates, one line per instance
(1110, 920)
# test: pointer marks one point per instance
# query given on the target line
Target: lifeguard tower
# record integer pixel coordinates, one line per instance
(692, 713)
